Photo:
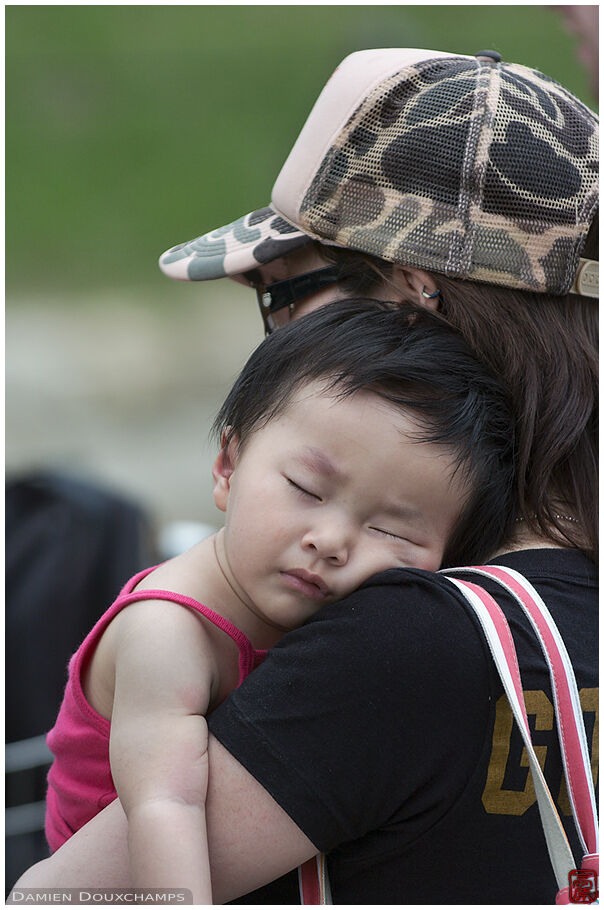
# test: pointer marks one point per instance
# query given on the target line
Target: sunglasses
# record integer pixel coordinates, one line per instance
(280, 294)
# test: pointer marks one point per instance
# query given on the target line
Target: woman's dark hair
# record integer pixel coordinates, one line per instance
(543, 349)
(414, 360)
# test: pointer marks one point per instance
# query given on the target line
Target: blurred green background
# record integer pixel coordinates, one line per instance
(132, 128)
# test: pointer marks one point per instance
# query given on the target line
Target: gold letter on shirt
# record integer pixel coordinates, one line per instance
(495, 798)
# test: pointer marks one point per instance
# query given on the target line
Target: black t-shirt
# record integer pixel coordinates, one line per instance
(381, 728)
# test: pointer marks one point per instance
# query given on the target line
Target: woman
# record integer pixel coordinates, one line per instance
(378, 732)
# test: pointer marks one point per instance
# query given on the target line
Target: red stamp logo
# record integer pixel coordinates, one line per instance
(582, 886)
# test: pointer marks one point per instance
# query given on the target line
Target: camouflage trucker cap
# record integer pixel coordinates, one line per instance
(467, 166)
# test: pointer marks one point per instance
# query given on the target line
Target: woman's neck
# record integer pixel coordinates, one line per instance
(524, 538)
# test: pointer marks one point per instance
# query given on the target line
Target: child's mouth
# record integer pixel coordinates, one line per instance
(306, 583)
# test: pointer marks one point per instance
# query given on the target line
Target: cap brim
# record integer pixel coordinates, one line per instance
(241, 246)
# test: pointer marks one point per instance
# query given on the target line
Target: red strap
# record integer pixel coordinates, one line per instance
(309, 881)
(501, 645)
(505, 638)
(569, 717)
(576, 770)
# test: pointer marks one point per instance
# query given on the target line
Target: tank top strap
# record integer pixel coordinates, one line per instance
(249, 657)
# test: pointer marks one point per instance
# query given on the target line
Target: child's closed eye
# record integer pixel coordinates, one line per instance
(302, 490)
(389, 534)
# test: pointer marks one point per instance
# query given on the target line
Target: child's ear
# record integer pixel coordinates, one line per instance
(223, 467)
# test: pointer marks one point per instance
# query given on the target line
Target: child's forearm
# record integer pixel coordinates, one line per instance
(168, 847)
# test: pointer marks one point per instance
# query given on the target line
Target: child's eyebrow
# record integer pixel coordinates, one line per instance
(316, 460)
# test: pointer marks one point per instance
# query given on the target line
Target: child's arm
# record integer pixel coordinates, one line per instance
(158, 745)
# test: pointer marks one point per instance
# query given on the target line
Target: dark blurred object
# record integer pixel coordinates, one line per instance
(70, 547)
(583, 21)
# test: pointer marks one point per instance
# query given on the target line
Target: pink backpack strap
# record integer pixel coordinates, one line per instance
(569, 717)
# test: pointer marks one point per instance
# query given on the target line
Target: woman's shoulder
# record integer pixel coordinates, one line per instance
(406, 589)
(399, 607)
(402, 613)
(561, 570)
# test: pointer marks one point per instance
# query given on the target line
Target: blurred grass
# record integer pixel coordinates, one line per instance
(131, 128)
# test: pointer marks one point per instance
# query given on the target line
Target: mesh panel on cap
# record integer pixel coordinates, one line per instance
(467, 168)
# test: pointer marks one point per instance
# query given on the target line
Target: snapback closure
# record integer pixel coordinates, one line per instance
(586, 281)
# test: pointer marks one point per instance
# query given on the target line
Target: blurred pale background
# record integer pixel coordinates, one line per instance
(130, 129)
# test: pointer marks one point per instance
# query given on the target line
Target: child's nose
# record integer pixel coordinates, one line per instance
(330, 542)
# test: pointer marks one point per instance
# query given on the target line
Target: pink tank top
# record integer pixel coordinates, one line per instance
(79, 780)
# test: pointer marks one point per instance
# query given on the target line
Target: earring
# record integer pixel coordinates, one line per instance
(291, 309)
(430, 296)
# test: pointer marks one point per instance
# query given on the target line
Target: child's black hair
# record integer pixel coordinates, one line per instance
(412, 358)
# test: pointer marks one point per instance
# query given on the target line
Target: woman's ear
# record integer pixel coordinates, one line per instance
(415, 286)
(223, 468)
